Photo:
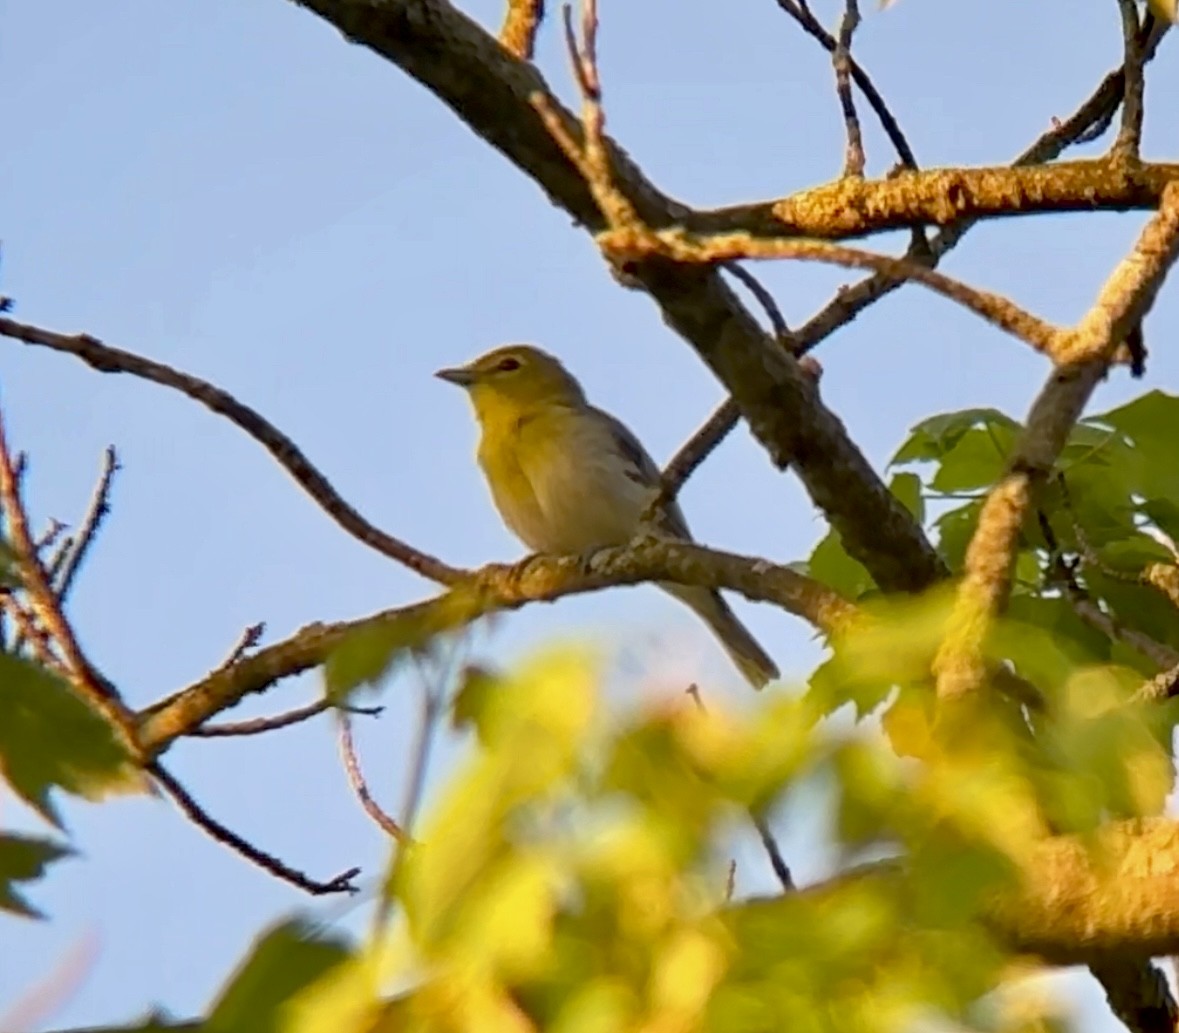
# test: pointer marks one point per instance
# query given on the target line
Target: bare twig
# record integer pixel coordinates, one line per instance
(706, 438)
(635, 242)
(518, 33)
(764, 298)
(98, 509)
(1157, 652)
(360, 787)
(342, 883)
(259, 725)
(1091, 117)
(44, 603)
(853, 159)
(251, 635)
(717, 427)
(1129, 138)
(114, 360)
(773, 851)
(801, 13)
(51, 535)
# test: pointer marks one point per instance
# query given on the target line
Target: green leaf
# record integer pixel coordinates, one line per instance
(1133, 555)
(933, 438)
(1164, 514)
(284, 960)
(366, 656)
(50, 737)
(831, 564)
(955, 528)
(370, 653)
(977, 460)
(907, 487)
(473, 697)
(1150, 422)
(24, 859)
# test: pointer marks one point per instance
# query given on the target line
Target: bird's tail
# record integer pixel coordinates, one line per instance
(751, 660)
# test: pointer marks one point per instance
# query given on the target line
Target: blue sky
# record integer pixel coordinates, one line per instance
(232, 188)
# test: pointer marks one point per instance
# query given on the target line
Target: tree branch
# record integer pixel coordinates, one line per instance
(106, 359)
(44, 603)
(521, 23)
(1081, 362)
(851, 207)
(493, 93)
(813, 27)
(499, 587)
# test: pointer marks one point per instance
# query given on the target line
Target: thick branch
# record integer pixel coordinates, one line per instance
(940, 197)
(1081, 363)
(499, 587)
(1113, 899)
(493, 93)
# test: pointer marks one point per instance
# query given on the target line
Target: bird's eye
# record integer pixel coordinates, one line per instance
(507, 365)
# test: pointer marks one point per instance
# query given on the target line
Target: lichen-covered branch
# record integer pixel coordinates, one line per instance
(1082, 359)
(848, 208)
(521, 23)
(634, 243)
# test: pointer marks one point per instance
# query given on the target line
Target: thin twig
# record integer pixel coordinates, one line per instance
(705, 439)
(1129, 138)
(773, 851)
(360, 786)
(592, 157)
(95, 514)
(764, 298)
(521, 23)
(106, 359)
(1062, 575)
(695, 450)
(433, 700)
(51, 535)
(258, 725)
(342, 883)
(95, 688)
(636, 243)
(1092, 117)
(801, 13)
(853, 159)
(251, 635)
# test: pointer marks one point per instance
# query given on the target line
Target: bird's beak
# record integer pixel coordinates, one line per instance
(459, 375)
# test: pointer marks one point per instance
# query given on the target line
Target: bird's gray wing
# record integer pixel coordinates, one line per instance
(641, 468)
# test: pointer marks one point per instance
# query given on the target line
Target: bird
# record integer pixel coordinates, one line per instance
(569, 478)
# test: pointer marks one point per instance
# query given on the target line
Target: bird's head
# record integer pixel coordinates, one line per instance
(514, 380)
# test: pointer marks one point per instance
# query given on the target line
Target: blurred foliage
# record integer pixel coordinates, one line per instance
(573, 874)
